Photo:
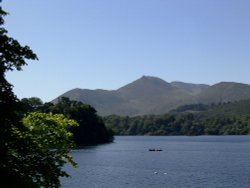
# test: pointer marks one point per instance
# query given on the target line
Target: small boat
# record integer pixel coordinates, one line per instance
(153, 149)
(158, 149)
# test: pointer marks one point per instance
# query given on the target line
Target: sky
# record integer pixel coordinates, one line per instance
(106, 44)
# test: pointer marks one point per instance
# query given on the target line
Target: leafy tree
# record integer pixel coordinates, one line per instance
(32, 104)
(91, 129)
(12, 56)
(49, 141)
(32, 152)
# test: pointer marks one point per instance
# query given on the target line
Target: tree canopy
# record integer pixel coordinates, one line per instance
(34, 148)
(48, 141)
(219, 119)
(91, 129)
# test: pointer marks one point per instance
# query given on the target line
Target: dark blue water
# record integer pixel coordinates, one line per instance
(202, 161)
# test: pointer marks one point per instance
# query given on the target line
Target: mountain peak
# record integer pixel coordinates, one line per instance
(145, 84)
(151, 78)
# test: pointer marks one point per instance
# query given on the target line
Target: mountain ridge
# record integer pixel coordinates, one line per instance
(152, 95)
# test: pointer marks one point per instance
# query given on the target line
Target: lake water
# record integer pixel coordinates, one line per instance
(200, 161)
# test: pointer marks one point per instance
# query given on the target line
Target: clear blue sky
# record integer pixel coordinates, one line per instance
(109, 43)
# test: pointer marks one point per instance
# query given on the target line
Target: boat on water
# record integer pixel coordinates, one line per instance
(154, 149)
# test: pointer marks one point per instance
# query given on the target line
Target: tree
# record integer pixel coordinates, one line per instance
(91, 129)
(49, 141)
(32, 151)
(12, 56)
(32, 104)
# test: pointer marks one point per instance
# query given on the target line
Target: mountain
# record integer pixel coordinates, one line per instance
(151, 95)
(193, 89)
(224, 92)
(104, 101)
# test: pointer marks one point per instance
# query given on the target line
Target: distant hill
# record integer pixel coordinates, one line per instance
(224, 92)
(231, 118)
(151, 95)
(226, 109)
(193, 89)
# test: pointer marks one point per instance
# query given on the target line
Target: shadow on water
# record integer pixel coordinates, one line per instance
(91, 147)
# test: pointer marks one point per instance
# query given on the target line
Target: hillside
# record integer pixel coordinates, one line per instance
(224, 92)
(151, 95)
(229, 109)
(231, 118)
(193, 89)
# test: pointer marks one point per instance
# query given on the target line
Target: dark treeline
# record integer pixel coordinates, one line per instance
(220, 119)
(91, 129)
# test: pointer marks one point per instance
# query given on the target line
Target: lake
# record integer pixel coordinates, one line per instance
(198, 161)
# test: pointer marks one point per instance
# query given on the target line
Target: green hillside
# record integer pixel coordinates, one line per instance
(198, 119)
(224, 92)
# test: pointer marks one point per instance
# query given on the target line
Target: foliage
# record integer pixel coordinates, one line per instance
(12, 56)
(32, 151)
(220, 119)
(91, 129)
(48, 141)
(31, 104)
